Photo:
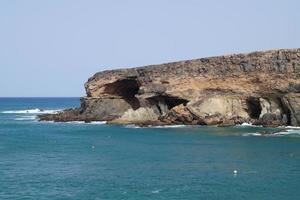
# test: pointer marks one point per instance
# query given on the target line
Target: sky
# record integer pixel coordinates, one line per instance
(50, 48)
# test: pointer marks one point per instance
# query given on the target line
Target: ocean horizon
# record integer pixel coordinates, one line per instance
(76, 160)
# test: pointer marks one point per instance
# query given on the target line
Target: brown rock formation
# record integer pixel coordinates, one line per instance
(260, 87)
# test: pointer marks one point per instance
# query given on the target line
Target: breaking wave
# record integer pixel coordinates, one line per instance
(248, 124)
(155, 191)
(132, 126)
(73, 122)
(25, 118)
(83, 122)
(292, 127)
(169, 126)
(98, 122)
(287, 132)
(31, 111)
(252, 134)
(163, 126)
(78, 122)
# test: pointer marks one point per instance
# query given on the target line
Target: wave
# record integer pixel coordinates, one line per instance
(25, 118)
(98, 122)
(31, 111)
(248, 125)
(245, 124)
(78, 122)
(252, 134)
(74, 122)
(83, 122)
(169, 126)
(291, 127)
(287, 132)
(132, 126)
(155, 191)
(160, 126)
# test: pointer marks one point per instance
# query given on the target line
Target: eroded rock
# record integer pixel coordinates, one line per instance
(292, 103)
(260, 87)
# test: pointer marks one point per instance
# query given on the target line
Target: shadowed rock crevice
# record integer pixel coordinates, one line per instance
(164, 103)
(169, 101)
(254, 107)
(133, 102)
(126, 88)
(286, 110)
(291, 102)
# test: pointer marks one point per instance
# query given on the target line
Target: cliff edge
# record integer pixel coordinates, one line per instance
(259, 88)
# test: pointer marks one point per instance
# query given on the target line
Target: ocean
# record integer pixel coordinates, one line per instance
(46, 160)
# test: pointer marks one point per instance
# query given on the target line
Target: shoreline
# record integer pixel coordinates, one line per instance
(259, 88)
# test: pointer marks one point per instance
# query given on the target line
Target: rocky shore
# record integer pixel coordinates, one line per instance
(262, 88)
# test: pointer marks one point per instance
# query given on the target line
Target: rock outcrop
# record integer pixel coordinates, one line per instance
(259, 88)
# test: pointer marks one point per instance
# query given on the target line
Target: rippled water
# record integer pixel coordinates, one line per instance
(42, 160)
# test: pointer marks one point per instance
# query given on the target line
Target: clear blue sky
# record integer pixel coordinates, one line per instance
(50, 48)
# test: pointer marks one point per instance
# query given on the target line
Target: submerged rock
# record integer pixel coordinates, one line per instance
(260, 88)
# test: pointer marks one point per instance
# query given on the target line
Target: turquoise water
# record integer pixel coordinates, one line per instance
(43, 160)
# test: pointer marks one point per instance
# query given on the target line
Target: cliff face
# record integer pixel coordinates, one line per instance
(260, 88)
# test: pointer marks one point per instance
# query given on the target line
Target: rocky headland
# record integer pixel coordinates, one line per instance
(261, 88)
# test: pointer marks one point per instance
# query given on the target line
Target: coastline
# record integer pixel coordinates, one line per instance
(260, 88)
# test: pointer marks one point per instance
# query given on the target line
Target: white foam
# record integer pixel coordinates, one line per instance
(280, 133)
(98, 122)
(287, 132)
(164, 126)
(74, 122)
(293, 127)
(132, 126)
(155, 191)
(252, 134)
(169, 126)
(50, 122)
(25, 118)
(248, 124)
(83, 122)
(31, 111)
(77, 122)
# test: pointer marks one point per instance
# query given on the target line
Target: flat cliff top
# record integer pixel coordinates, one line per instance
(236, 62)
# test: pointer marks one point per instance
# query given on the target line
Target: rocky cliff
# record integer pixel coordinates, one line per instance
(259, 88)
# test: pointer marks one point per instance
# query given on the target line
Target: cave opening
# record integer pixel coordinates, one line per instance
(254, 107)
(171, 102)
(286, 110)
(164, 102)
(126, 88)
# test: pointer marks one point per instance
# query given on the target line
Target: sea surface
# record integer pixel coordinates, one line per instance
(46, 160)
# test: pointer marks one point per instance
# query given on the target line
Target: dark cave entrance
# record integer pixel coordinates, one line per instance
(171, 102)
(286, 111)
(165, 103)
(127, 89)
(254, 107)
